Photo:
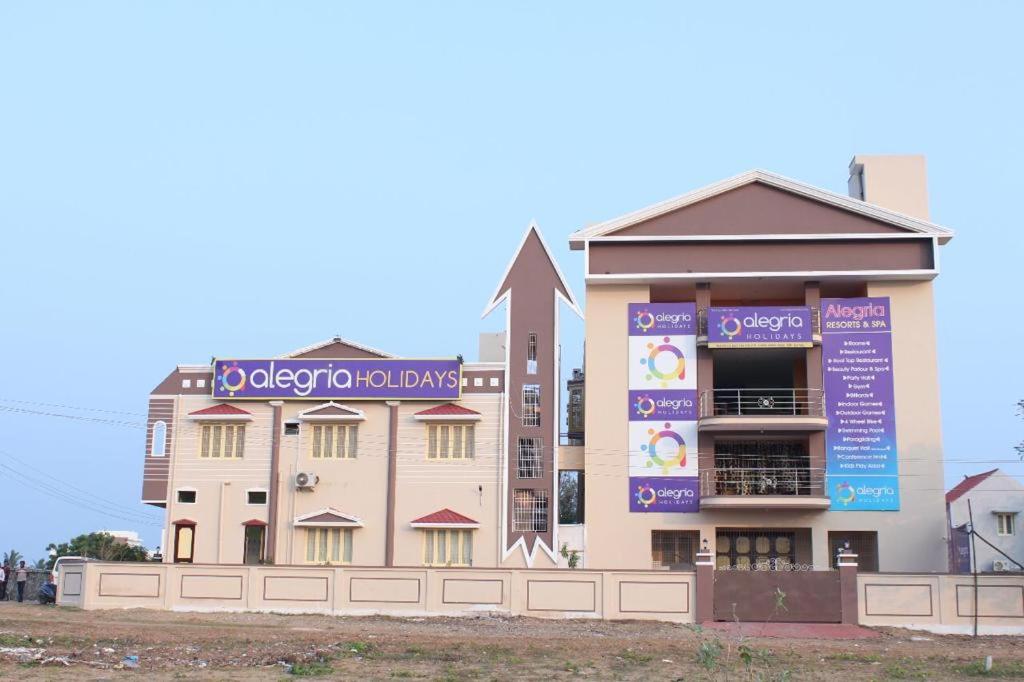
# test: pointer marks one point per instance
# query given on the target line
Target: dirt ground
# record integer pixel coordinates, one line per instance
(38, 642)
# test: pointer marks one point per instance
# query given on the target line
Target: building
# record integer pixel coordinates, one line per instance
(124, 537)
(761, 380)
(338, 453)
(995, 501)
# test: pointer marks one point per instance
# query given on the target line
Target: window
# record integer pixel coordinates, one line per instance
(531, 353)
(184, 543)
(1005, 523)
(448, 548)
(530, 511)
(675, 550)
(291, 428)
(530, 463)
(334, 441)
(451, 441)
(254, 541)
(531, 405)
(328, 545)
(186, 497)
(863, 543)
(256, 497)
(159, 446)
(222, 440)
(570, 497)
(200, 383)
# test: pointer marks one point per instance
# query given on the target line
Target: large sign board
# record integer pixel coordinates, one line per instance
(862, 472)
(662, 406)
(760, 327)
(337, 379)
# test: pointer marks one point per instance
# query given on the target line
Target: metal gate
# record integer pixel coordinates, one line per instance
(757, 596)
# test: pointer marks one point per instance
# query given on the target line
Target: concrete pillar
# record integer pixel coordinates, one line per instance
(705, 608)
(705, 382)
(848, 588)
(274, 496)
(389, 541)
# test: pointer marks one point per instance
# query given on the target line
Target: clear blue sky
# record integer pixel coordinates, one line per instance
(179, 180)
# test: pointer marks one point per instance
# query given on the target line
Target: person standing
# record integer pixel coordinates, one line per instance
(21, 575)
(5, 571)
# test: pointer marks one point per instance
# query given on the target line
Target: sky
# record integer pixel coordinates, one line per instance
(190, 179)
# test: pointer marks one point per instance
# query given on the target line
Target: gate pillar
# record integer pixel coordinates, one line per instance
(847, 587)
(705, 610)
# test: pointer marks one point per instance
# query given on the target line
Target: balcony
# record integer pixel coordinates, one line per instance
(763, 488)
(762, 409)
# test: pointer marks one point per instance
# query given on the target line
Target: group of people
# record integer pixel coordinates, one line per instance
(20, 575)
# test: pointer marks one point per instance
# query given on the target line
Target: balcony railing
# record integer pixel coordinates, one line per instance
(760, 402)
(702, 322)
(791, 481)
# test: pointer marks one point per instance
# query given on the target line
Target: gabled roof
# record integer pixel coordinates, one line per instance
(340, 344)
(221, 411)
(444, 518)
(332, 411)
(328, 517)
(906, 222)
(966, 485)
(447, 411)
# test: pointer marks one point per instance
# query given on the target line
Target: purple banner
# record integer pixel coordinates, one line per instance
(765, 326)
(663, 494)
(861, 465)
(662, 405)
(650, 319)
(325, 379)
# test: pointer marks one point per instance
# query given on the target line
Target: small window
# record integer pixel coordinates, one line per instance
(1005, 523)
(531, 353)
(570, 497)
(334, 441)
(200, 383)
(186, 497)
(531, 405)
(328, 545)
(186, 383)
(530, 459)
(447, 547)
(291, 428)
(675, 550)
(159, 446)
(530, 511)
(256, 496)
(225, 441)
(451, 441)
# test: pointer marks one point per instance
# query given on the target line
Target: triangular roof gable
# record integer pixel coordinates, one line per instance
(337, 347)
(332, 410)
(758, 203)
(328, 516)
(532, 254)
(966, 485)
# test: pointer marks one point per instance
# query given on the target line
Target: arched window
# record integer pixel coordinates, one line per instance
(159, 447)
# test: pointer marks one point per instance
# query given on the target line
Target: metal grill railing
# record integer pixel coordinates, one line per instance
(530, 511)
(739, 481)
(759, 402)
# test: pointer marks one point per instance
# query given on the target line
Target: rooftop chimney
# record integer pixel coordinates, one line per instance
(896, 182)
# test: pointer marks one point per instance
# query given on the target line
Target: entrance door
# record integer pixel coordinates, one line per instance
(184, 543)
(254, 535)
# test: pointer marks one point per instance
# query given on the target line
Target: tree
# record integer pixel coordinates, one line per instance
(102, 546)
(12, 557)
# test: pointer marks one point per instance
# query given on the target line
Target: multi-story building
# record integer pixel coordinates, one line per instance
(990, 503)
(760, 380)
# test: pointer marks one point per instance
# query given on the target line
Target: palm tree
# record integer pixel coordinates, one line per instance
(12, 558)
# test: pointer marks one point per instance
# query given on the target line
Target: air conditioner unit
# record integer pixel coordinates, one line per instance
(305, 480)
(1001, 565)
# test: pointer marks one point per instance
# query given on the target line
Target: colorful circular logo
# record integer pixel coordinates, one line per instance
(678, 372)
(730, 326)
(644, 406)
(656, 459)
(645, 495)
(226, 374)
(844, 493)
(644, 320)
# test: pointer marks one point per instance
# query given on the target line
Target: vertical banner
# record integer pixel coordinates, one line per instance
(861, 467)
(662, 420)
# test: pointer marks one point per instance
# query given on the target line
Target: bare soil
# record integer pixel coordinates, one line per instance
(38, 642)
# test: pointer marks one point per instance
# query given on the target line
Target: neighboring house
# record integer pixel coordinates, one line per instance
(124, 537)
(996, 502)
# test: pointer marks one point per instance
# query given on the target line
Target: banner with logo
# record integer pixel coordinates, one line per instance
(760, 327)
(861, 467)
(662, 420)
(327, 379)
